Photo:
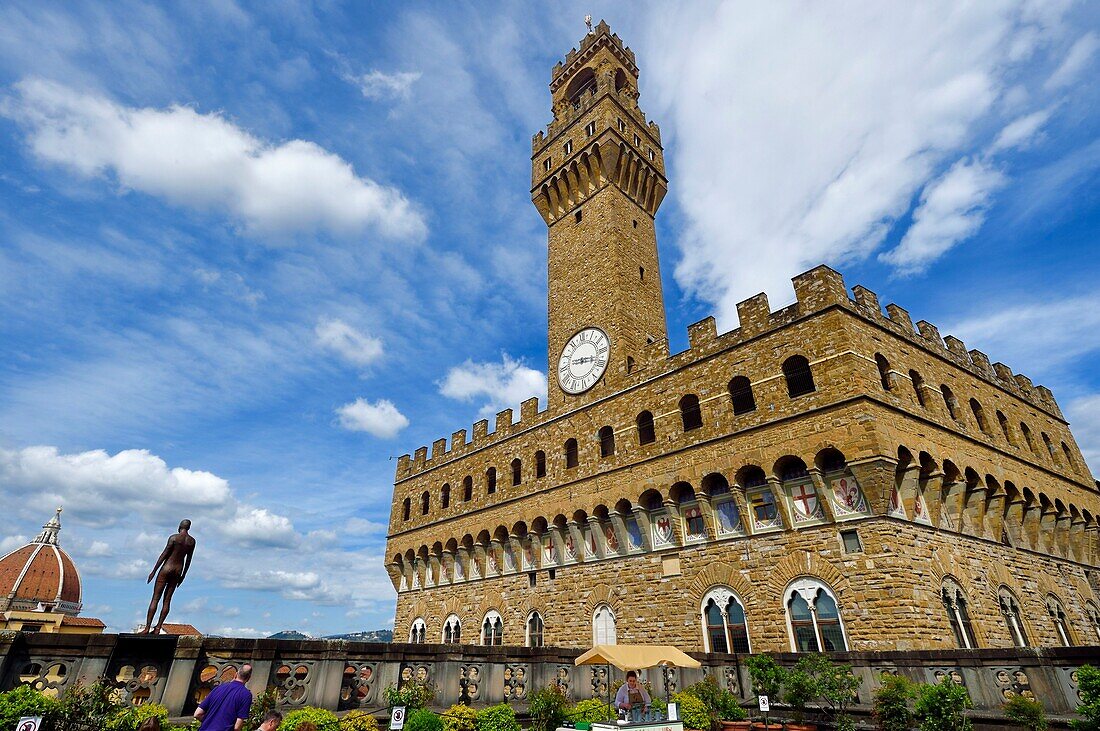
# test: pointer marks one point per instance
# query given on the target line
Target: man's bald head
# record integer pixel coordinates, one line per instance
(185, 524)
(245, 673)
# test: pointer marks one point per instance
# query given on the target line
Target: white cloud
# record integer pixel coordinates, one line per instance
(1021, 132)
(380, 85)
(951, 210)
(504, 384)
(11, 543)
(353, 345)
(382, 419)
(206, 162)
(804, 132)
(1084, 416)
(259, 527)
(1080, 53)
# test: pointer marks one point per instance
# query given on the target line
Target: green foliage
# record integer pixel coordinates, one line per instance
(892, 703)
(410, 695)
(940, 707)
(658, 707)
(591, 710)
(500, 717)
(359, 720)
(547, 707)
(1027, 712)
(460, 718)
(128, 719)
(721, 704)
(423, 720)
(24, 701)
(317, 716)
(693, 712)
(1088, 687)
(93, 705)
(261, 704)
(767, 676)
(799, 688)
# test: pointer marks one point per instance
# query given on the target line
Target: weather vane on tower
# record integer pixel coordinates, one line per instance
(588, 22)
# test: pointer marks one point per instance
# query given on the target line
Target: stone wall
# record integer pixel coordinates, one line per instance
(176, 672)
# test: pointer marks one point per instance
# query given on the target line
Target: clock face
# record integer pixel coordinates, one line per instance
(583, 360)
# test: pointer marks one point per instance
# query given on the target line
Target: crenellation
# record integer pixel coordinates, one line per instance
(528, 410)
(930, 332)
(439, 448)
(754, 314)
(1004, 375)
(867, 301)
(702, 333)
(957, 348)
(420, 456)
(1024, 383)
(481, 432)
(504, 422)
(819, 288)
(900, 316)
(403, 466)
(458, 441)
(981, 361)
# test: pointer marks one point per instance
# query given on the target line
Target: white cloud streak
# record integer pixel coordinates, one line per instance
(349, 343)
(503, 384)
(380, 85)
(204, 161)
(380, 419)
(1080, 53)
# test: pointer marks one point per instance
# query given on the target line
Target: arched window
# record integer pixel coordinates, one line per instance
(918, 386)
(1068, 455)
(724, 626)
(571, 457)
(1058, 617)
(452, 630)
(467, 489)
(1093, 614)
(690, 414)
(646, 432)
(406, 509)
(1049, 446)
(491, 480)
(517, 472)
(603, 626)
(445, 496)
(741, 395)
(1027, 437)
(1010, 609)
(954, 601)
(425, 503)
(540, 464)
(979, 415)
(950, 401)
(814, 618)
(417, 631)
(1005, 428)
(492, 628)
(534, 630)
(800, 380)
(607, 441)
(883, 371)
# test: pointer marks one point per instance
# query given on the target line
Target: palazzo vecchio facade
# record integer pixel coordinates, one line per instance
(826, 476)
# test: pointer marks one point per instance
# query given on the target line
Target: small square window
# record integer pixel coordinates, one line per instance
(850, 538)
(550, 574)
(590, 129)
(532, 579)
(577, 216)
(546, 164)
(568, 147)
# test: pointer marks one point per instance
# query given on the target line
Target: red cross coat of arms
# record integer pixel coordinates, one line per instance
(805, 500)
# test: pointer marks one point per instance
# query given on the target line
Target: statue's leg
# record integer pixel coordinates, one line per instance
(158, 590)
(169, 590)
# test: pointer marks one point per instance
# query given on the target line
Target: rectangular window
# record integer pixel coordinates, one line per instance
(637, 141)
(622, 125)
(652, 155)
(546, 164)
(850, 538)
(590, 129)
(550, 574)
(568, 147)
(532, 579)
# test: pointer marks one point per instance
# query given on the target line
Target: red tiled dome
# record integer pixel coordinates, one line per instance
(40, 573)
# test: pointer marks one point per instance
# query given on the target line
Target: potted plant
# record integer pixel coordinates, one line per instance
(892, 701)
(836, 686)
(1026, 712)
(767, 680)
(725, 710)
(800, 686)
(693, 712)
(940, 707)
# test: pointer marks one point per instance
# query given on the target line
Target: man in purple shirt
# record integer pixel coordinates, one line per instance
(226, 708)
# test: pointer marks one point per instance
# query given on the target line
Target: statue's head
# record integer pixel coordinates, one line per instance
(185, 524)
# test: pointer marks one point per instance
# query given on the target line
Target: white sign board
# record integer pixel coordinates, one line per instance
(29, 723)
(673, 711)
(397, 718)
(764, 705)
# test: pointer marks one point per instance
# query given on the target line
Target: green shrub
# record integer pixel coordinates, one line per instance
(128, 719)
(799, 688)
(693, 712)
(358, 720)
(591, 710)
(658, 706)
(940, 707)
(767, 676)
(460, 718)
(87, 705)
(410, 695)
(892, 702)
(317, 716)
(500, 717)
(423, 720)
(24, 701)
(721, 704)
(261, 704)
(1027, 712)
(1088, 687)
(547, 707)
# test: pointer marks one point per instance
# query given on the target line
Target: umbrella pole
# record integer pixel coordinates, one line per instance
(608, 685)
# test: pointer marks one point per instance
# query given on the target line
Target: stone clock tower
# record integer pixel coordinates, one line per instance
(598, 177)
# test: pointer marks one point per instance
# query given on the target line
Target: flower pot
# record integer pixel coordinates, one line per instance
(761, 726)
(736, 725)
(792, 726)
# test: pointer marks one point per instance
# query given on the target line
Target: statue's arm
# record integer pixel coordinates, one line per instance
(186, 562)
(160, 561)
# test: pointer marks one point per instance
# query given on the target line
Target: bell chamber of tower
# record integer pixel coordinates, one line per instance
(597, 179)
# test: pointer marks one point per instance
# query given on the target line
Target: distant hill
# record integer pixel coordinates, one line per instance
(374, 635)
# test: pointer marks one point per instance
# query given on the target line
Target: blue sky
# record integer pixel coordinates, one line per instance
(249, 254)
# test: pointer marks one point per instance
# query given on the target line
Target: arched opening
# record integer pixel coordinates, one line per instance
(418, 631)
(445, 496)
(1002, 420)
(883, 371)
(540, 464)
(724, 626)
(582, 85)
(517, 472)
(535, 628)
(950, 402)
(740, 389)
(1026, 431)
(491, 480)
(690, 413)
(572, 458)
(603, 626)
(425, 502)
(979, 415)
(492, 628)
(958, 616)
(1010, 610)
(918, 386)
(814, 618)
(406, 509)
(467, 489)
(452, 630)
(607, 441)
(646, 432)
(800, 380)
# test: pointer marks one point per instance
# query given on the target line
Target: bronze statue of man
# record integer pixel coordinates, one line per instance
(173, 563)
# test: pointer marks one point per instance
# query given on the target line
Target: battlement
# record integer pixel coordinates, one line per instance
(816, 290)
(600, 37)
